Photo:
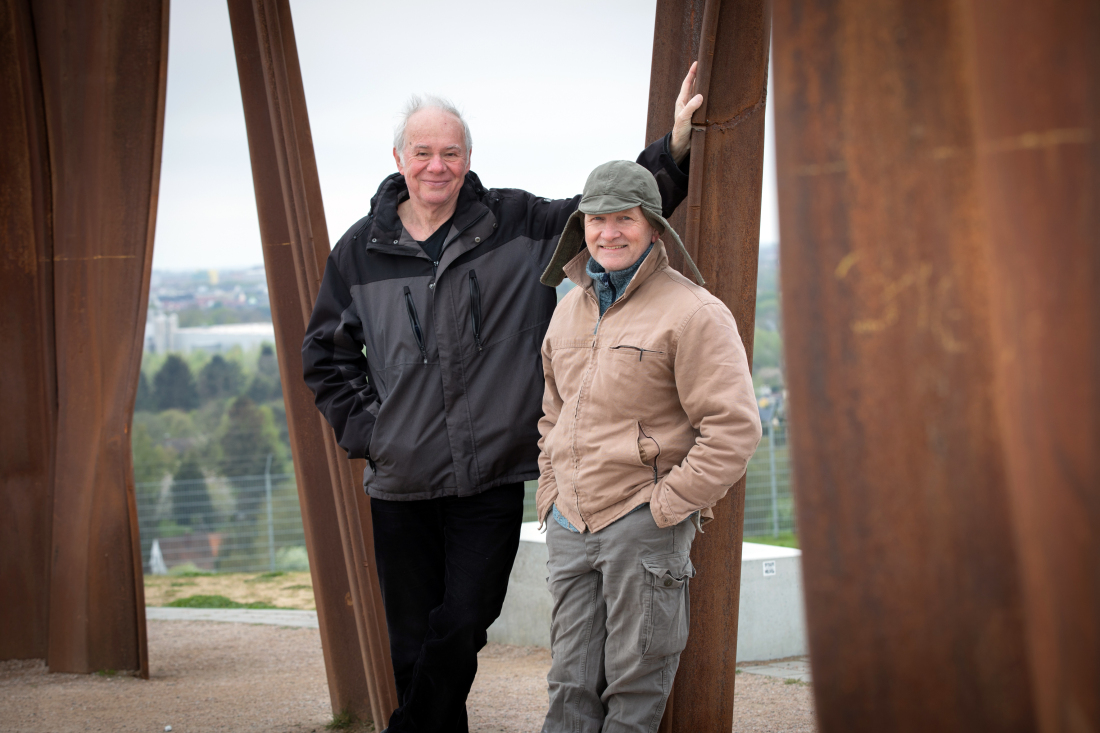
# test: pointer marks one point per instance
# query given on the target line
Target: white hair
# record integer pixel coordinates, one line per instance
(428, 101)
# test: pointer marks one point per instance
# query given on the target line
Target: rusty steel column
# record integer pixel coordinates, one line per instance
(28, 390)
(335, 511)
(721, 221)
(1036, 104)
(914, 606)
(101, 78)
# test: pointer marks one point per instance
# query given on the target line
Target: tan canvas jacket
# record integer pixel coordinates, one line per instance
(651, 403)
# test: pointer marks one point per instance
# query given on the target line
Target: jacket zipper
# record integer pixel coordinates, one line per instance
(658, 451)
(475, 308)
(599, 320)
(414, 321)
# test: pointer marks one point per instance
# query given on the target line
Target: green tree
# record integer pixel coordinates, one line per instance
(144, 400)
(219, 379)
(248, 437)
(152, 461)
(265, 385)
(174, 385)
(259, 389)
(767, 349)
(267, 364)
(191, 505)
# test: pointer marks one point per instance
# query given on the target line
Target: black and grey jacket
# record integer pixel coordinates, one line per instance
(432, 370)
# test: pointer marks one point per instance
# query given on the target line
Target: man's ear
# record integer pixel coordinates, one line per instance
(397, 159)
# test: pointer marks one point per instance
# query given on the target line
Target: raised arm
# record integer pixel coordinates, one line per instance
(668, 159)
(335, 368)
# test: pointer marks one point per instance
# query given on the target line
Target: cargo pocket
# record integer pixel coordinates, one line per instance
(666, 607)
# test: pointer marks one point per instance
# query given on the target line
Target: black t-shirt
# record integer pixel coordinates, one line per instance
(433, 245)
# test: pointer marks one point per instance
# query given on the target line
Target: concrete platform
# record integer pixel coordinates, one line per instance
(771, 621)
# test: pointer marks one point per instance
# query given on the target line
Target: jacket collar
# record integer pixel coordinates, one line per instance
(656, 260)
(386, 234)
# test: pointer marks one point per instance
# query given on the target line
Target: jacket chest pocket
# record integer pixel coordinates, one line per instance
(635, 380)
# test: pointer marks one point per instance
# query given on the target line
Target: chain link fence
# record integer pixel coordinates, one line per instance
(769, 502)
(238, 524)
(254, 523)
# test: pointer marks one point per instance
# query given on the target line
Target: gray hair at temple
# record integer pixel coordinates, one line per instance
(428, 101)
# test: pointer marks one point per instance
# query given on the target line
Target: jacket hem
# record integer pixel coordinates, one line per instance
(450, 491)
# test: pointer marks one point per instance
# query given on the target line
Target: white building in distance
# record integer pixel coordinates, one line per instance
(163, 334)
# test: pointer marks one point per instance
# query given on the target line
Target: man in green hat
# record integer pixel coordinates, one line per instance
(649, 419)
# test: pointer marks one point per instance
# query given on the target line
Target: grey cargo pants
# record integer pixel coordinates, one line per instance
(619, 623)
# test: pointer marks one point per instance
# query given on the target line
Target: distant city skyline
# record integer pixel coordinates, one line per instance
(544, 108)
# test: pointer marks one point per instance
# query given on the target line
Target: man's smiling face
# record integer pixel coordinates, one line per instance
(618, 239)
(435, 160)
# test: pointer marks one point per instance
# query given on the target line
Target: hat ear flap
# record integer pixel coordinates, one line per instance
(662, 225)
(570, 244)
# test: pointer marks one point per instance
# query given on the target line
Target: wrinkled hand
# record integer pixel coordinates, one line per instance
(686, 104)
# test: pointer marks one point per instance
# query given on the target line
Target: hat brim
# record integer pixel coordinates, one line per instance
(572, 242)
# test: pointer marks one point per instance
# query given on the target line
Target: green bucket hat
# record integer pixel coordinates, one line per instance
(613, 186)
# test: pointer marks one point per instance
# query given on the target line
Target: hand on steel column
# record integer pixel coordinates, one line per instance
(686, 104)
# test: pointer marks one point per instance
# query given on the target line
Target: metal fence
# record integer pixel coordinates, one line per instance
(769, 503)
(254, 523)
(239, 524)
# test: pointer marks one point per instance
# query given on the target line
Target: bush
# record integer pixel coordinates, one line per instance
(215, 602)
(292, 558)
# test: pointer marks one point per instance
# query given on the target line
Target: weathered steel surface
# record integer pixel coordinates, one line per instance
(914, 606)
(88, 80)
(721, 219)
(335, 511)
(27, 389)
(104, 67)
(1036, 102)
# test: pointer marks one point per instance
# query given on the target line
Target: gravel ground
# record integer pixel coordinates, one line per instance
(209, 676)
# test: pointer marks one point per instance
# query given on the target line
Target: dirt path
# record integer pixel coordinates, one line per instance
(209, 676)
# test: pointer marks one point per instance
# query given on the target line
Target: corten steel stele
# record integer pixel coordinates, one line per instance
(938, 172)
(335, 511)
(81, 115)
(720, 222)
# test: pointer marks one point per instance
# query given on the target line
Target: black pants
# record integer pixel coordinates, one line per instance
(443, 566)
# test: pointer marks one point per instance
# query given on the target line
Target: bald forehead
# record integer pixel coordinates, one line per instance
(436, 127)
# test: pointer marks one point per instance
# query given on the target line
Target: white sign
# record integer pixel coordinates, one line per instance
(769, 568)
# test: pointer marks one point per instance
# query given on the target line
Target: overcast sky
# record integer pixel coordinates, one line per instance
(550, 90)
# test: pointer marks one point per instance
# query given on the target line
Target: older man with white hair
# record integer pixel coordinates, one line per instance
(423, 352)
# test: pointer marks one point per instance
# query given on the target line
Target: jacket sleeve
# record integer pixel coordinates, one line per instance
(334, 365)
(715, 388)
(551, 408)
(546, 218)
